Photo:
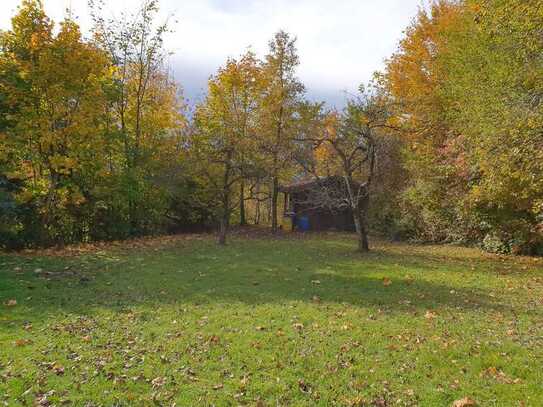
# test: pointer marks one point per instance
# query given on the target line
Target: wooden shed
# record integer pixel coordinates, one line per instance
(305, 208)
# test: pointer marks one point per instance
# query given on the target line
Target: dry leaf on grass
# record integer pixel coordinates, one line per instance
(158, 382)
(465, 402)
(430, 315)
(22, 342)
(58, 369)
(303, 386)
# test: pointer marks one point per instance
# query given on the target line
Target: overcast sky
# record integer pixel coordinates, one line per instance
(340, 43)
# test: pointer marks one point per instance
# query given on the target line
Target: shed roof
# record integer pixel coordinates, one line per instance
(308, 184)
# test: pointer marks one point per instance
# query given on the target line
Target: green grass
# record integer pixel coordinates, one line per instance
(291, 321)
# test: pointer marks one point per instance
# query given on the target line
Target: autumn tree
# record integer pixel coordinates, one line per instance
(52, 85)
(344, 155)
(466, 78)
(89, 129)
(495, 86)
(223, 144)
(145, 111)
(415, 77)
(281, 96)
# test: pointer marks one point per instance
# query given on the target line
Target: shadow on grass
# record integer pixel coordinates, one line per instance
(253, 272)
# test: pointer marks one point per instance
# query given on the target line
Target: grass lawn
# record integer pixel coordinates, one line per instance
(287, 321)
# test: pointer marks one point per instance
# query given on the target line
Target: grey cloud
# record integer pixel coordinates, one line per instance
(341, 42)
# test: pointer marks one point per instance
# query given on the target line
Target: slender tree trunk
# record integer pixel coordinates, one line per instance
(361, 231)
(225, 215)
(275, 195)
(225, 220)
(223, 228)
(359, 206)
(363, 221)
(242, 218)
(268, 209)
(363, 244)
(257, 208)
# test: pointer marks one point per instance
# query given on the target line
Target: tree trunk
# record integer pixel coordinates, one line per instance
(363, 243)
(224, 221)
(359, 213)
(242, 219)
(275, 195)
(225, 214)
(361, 231)
(223, 228)
(257, 208)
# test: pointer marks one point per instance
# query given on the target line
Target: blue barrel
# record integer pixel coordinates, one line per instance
(303, 223)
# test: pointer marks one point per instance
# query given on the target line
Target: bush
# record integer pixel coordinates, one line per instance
(493, 243)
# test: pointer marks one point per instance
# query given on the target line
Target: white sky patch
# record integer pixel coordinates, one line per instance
(340, 43)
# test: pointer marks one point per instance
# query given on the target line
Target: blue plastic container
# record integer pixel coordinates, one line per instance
(303, 223)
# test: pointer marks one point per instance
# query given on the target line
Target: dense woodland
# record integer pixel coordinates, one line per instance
(444, 145)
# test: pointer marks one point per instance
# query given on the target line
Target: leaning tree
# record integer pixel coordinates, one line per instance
(342, 157)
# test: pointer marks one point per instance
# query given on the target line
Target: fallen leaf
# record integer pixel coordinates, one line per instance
(22, 342)
(379, 402)
(465, 402)
(11, 303)
(387, 281)
(430, 315)
(58, 369)
(158, 382)
(304, 387)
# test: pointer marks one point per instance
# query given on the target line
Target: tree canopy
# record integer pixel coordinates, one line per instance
(445, 145)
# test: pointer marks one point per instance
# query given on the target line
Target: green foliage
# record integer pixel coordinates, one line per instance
(86, 138)
(279, 105)
(223, 145)
(494, 244)
(467, 77)
(94, 143)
